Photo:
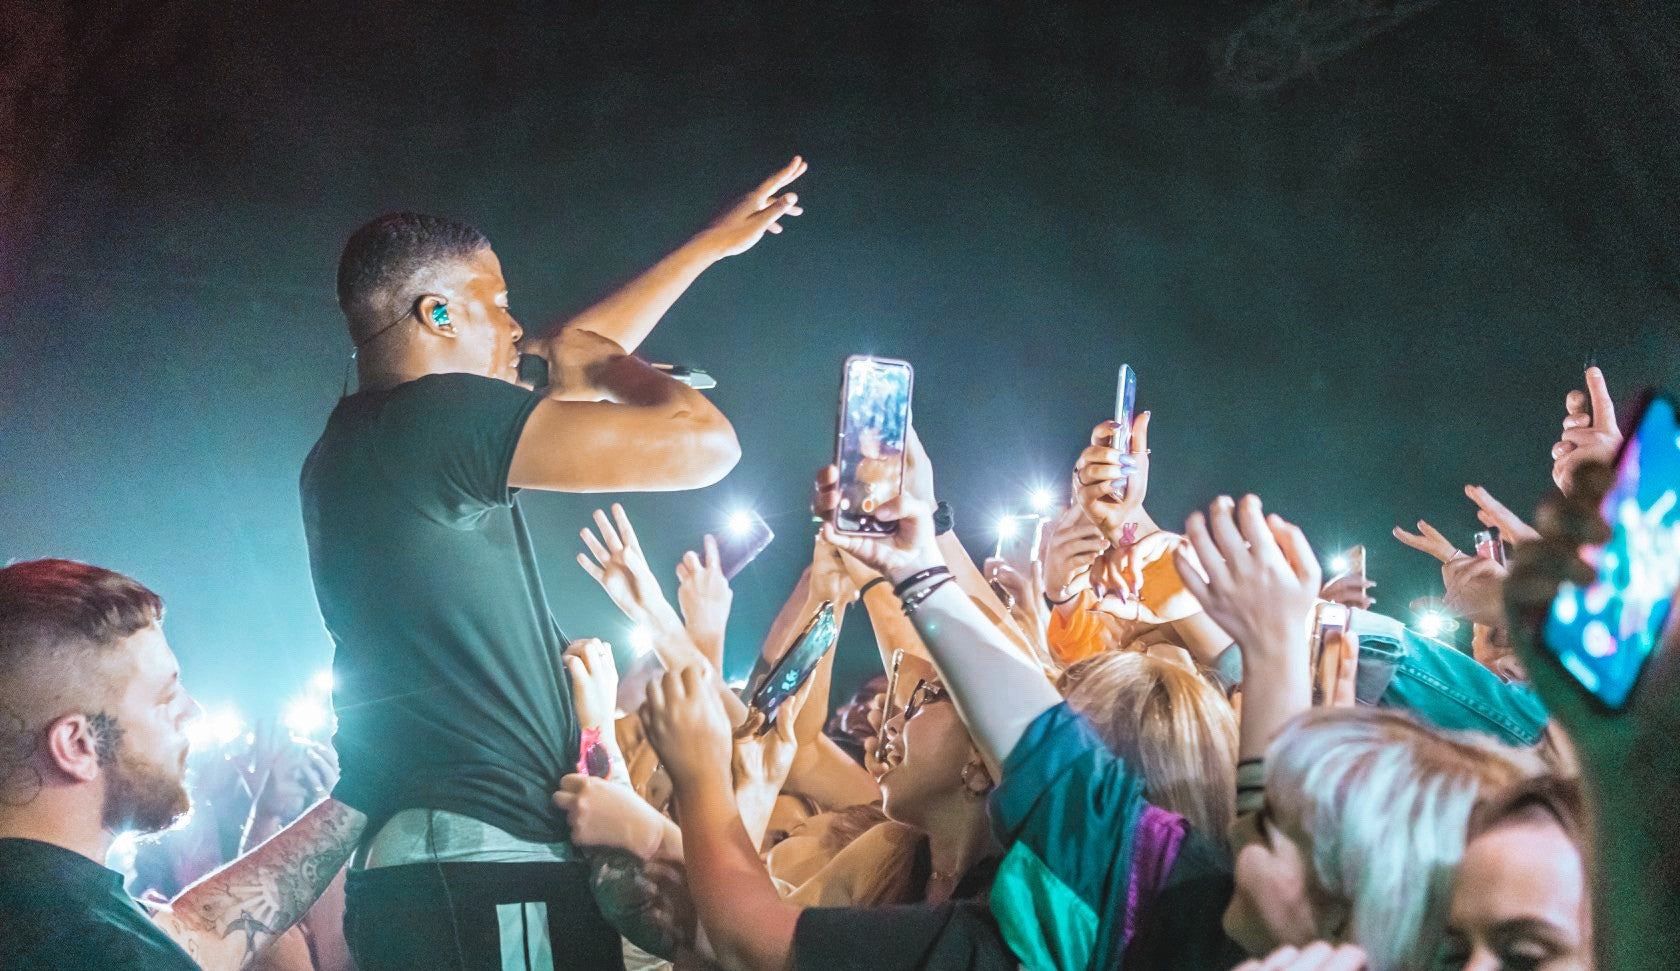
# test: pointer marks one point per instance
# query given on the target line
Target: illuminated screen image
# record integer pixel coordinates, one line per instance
(1605, 632)
(872, 435)
(789, 674)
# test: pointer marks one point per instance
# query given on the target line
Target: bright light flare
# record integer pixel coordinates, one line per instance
(322, 682)
(1339, 564)
(306, 717)
(740, 523)
(1007, 527)
(221, 726)
(1042, 500)
(641, 640)
(1431, 623)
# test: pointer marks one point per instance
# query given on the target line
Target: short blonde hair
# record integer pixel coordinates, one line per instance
(1380, 805)
(1178, 730)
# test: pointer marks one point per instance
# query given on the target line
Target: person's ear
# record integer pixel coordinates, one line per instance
(434, 315)
(72, 747)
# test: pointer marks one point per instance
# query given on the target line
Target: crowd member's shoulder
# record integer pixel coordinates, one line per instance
(1184, 926)
(87, 942)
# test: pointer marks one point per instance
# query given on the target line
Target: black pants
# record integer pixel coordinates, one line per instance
(478, 917)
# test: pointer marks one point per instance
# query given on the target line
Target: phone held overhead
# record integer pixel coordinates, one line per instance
(1606, 632)
(873, 427)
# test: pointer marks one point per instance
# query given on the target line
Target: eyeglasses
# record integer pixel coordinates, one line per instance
(925, 693)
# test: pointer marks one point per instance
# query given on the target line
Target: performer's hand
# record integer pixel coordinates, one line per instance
(577, 358)
(756, 213)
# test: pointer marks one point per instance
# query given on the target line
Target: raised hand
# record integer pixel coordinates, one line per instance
(594, 682)
(1026, 593)
(1071, 546)
(1142, 583)
(756, 213)
(1429, 540)
(763, 761)
(1103, 473)
(1261, 576)
(1588, 435)
(302, 772)
(621, 569)
(831, 578)
(913, 545)
(685, 723)
(1350, 590)
(705, 597)
(1490, 512)
(1475, 589)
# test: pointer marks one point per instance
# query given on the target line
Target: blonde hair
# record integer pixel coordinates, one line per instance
(1178, 730)
(1380, 805)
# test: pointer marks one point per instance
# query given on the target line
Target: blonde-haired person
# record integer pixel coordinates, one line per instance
(1168, 721)
(1362, 827)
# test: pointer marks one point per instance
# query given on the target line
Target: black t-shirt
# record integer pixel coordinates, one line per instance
(59, 909)
(958, 935)
(1183, 927)
(447, 678)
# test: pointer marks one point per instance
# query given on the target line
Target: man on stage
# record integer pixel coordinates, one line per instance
(455, 714)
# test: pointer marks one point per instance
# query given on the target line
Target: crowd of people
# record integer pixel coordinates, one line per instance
(1131, 748)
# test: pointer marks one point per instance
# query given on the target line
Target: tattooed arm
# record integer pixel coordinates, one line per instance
(226, 919)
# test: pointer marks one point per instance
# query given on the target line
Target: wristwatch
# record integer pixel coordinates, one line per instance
(943, 519)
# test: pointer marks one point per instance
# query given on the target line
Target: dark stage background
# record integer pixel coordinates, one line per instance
(1356, 252)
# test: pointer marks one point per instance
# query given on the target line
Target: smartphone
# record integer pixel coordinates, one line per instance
(1606, 632)
(794, 667)
(741, 542)
(887, 706)
(873, 428)
(1490, 547)
(1328, 618)
(1125, 406)
(1018, 540)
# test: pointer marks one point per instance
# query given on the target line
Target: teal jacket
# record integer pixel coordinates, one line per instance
(1441, 685)
(1094, 877)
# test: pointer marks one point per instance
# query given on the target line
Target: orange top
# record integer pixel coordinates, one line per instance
(1080, 635)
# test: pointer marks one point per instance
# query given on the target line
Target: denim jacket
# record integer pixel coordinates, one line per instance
(1400, 668)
